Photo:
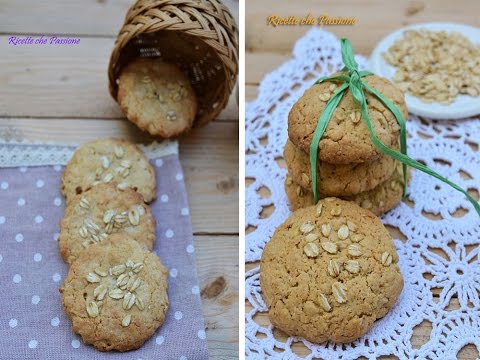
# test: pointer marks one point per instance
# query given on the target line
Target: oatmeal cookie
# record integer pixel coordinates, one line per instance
(379, 200)
(337, 180)
(346, 139)
(100, 211)
(107, 160)
(329, 272)
(116, 294)
(157, 97)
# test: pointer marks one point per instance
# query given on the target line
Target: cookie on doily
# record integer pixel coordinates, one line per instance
(107, 160)
(157, 97)
(346, 139)
(116, 294)
(101, 211)
(337, 179)
(329, 272)
(382, 198)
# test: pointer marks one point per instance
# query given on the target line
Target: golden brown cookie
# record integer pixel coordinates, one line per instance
(101, 211)
(346, 139)
(379, 200)
(116, 294)
(329, 272)
(157, 97)
(107, 160)
(337, 180)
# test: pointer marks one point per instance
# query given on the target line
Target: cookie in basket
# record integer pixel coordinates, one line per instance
(346, 139)
(329, 272)
(116, 294)
(107, 160)
(337, 179)
(157, 97)
(379, 200)
(101, 211)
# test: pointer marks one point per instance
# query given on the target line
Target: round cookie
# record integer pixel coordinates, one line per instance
(107, 160)
(101, 211)
(116, 294)
(157, 97)
(338, 180)
(329, 272)
(346, 139)
(379, 200)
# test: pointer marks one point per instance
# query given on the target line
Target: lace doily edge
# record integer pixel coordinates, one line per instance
(33, 153)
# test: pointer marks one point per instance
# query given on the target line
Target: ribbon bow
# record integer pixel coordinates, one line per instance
(352, 80)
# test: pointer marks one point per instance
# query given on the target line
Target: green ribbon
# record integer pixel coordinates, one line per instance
(352, 80)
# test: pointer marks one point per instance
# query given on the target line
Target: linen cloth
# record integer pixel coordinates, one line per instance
(33, 324)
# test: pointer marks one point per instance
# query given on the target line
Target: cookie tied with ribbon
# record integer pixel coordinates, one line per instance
(353, 80)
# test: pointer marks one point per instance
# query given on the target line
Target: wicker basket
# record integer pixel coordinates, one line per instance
(199, 36)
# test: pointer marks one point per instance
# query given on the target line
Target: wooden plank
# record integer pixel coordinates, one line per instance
(86, 17)
(62, 81)
(217, 259)
(92, 17)
(370, 27)
(209, 158)
(261, 63)
(251, 92)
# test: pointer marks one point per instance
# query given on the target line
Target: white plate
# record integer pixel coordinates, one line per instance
(463, 105)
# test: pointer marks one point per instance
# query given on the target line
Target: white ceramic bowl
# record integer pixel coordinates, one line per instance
(463, 105)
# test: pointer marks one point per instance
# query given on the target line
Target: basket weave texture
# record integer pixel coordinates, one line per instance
(199, 36)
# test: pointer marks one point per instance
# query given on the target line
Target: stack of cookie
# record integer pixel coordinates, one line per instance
(349, 165)
(116, 286)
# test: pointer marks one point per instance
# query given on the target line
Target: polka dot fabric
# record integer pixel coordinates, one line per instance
(32, 322)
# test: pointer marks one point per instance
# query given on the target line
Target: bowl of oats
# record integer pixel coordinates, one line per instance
(437, 65)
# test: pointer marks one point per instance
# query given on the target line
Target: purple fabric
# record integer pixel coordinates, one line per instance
(32, 322)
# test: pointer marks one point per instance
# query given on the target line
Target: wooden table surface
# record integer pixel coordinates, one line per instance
(268, 47)
(60, 94)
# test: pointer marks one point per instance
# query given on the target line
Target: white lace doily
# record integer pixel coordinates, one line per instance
(25, 153)
(440, 255)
